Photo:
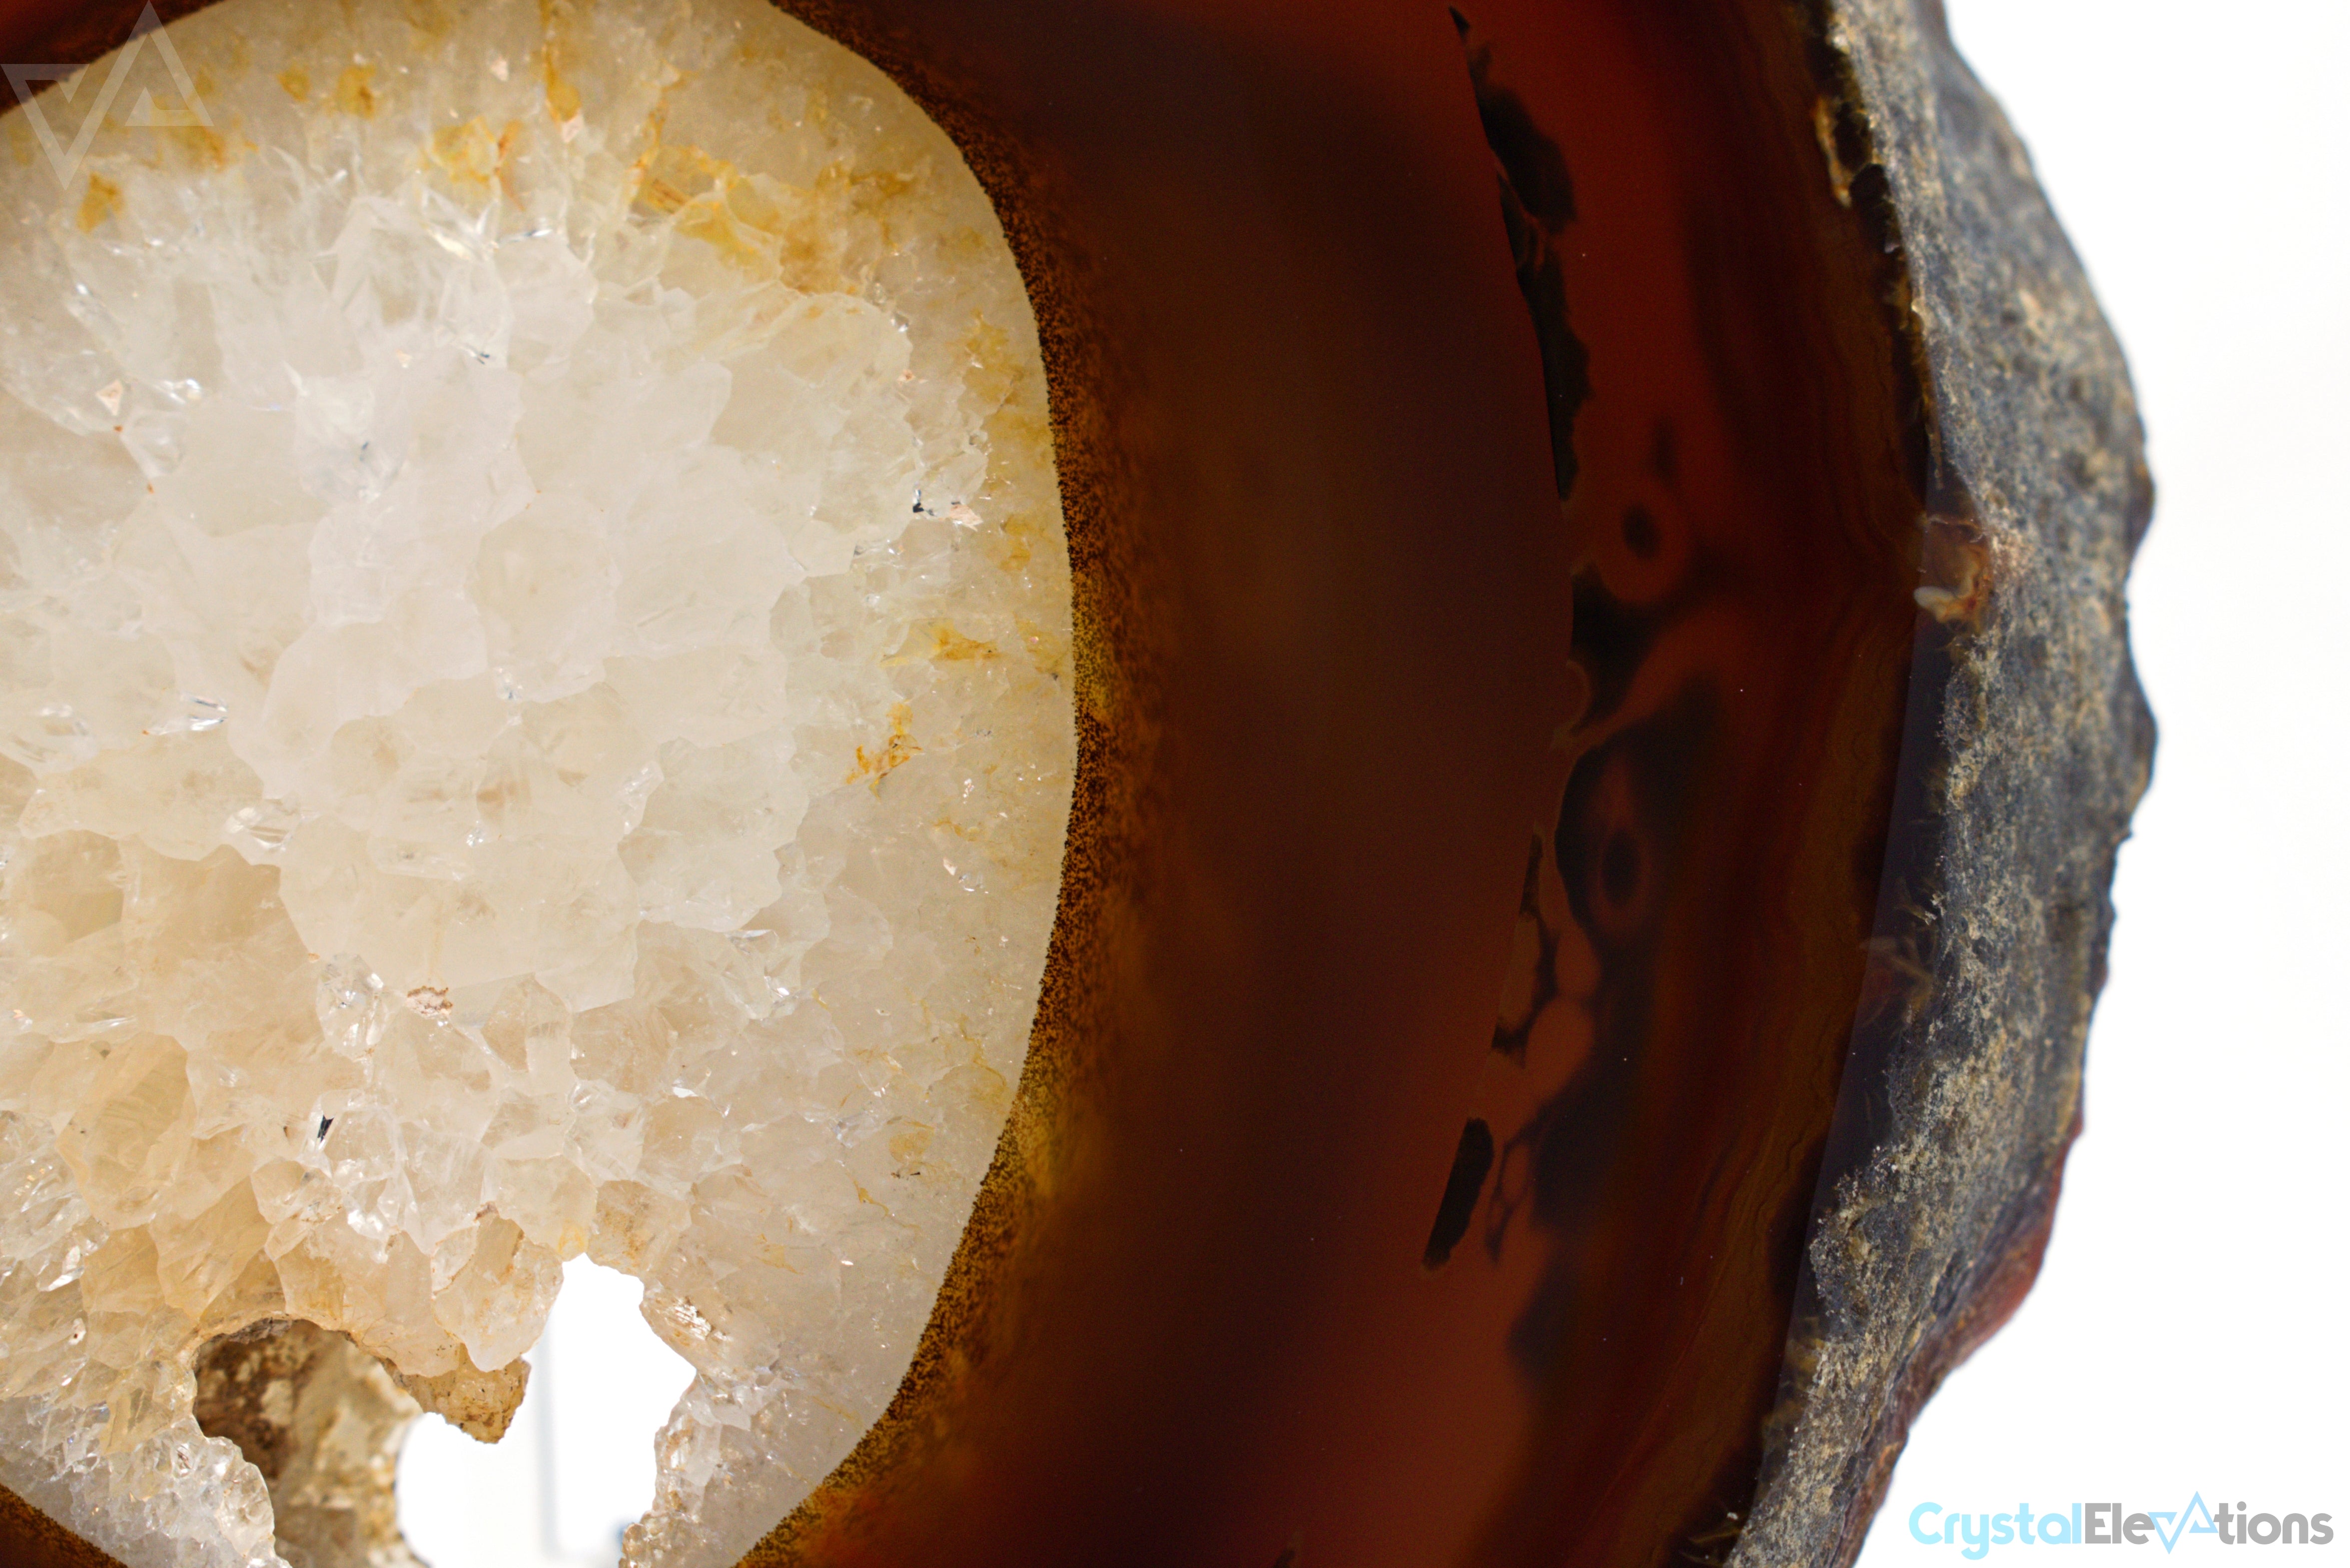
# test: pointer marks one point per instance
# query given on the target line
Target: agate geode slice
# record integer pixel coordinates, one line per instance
(1597, 536)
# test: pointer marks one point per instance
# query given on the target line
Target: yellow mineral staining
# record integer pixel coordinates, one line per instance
(767, 229)
(893, 753)
(712, 221)
(564, 103)
(355, 91)
(199, 146)
(939, 641)
(1015, 546)
(429, 20)
(472, 155)
(907, 1144)
(296, 83)
(989, 365)
(100, 199)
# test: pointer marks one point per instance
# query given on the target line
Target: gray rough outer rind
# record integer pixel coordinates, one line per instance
(2029, 743)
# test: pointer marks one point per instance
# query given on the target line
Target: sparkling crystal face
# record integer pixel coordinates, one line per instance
(534, 692)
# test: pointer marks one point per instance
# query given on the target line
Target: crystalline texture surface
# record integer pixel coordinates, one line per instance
(534, 691)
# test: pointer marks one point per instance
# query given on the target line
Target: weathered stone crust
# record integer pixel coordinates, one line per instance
(2028, 745)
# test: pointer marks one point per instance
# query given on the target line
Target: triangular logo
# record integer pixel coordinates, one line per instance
(66, 159)
(2193, 1520)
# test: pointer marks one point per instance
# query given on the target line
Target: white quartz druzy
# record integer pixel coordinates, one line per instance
(534, 693)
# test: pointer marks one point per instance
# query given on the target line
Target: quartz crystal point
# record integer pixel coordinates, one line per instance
(534, 693)
(1596, 533)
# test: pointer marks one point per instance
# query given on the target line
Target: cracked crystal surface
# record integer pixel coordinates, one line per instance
(534, 691)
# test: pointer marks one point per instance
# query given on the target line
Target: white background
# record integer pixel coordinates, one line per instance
(575, 1468)
(2187, 1331)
